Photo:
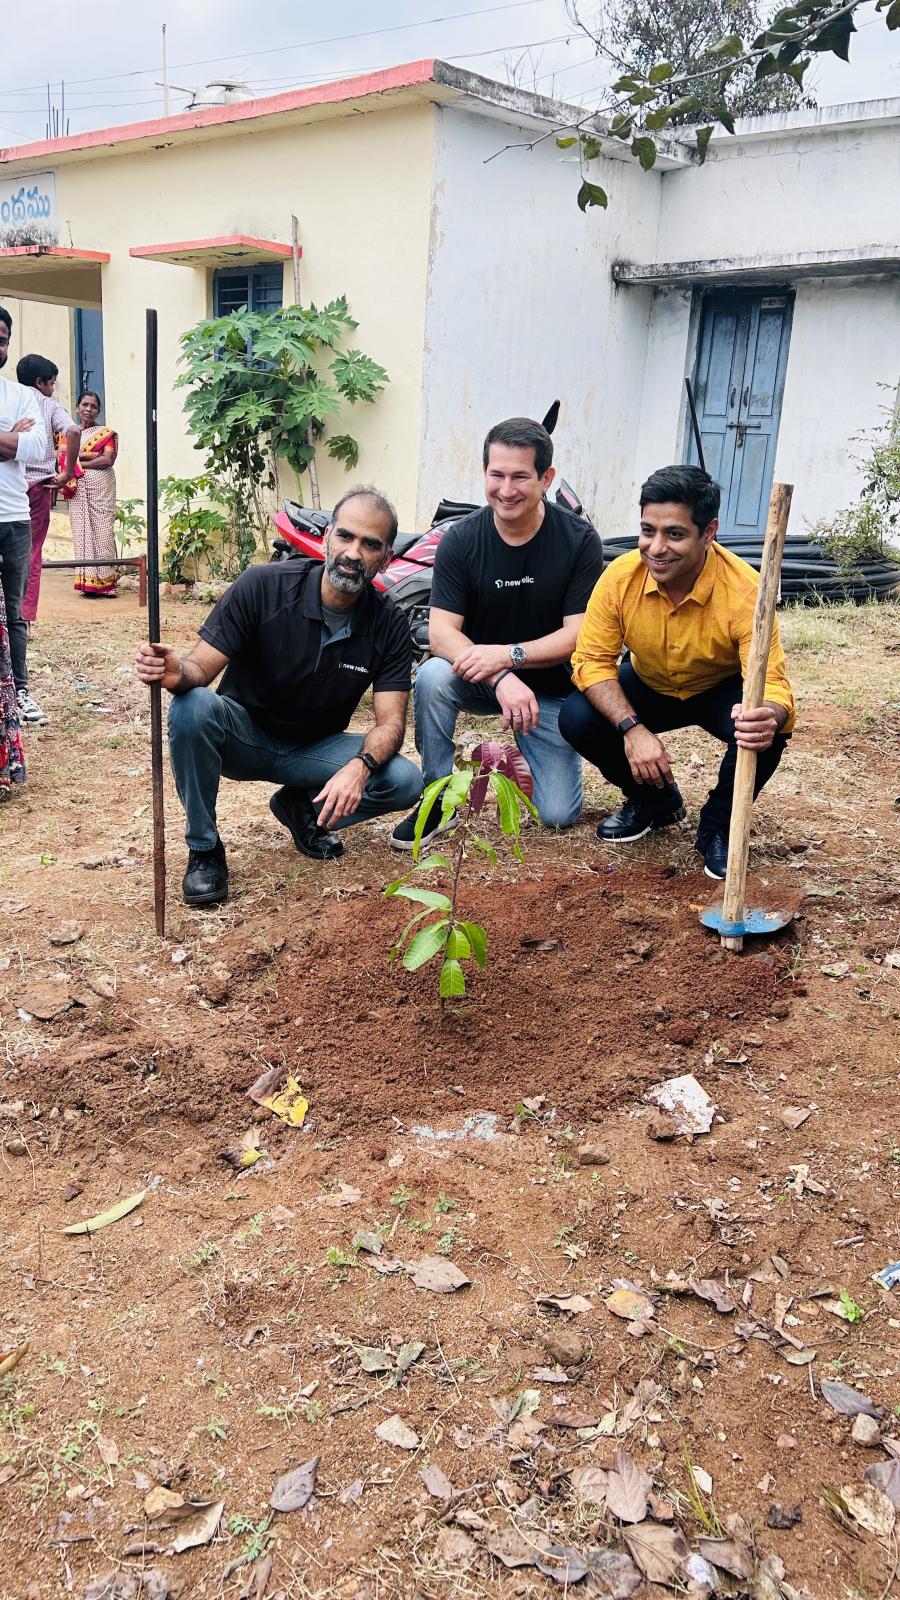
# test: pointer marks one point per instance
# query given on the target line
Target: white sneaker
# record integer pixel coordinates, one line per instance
(29, 710)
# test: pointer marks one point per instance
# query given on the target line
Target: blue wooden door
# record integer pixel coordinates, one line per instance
(738, 386)
(89, 354)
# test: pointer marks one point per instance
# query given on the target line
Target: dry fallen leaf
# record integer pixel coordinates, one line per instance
(295, 1489)
(885, 1475)
(65, 933)
(104, 1218)
(709, 1289)
(454, 1549)
(194, 1521)
(627, 1489)
(570, 1417)
(394, 1431)
(438, 1274)
(437, 1483)
(510, 1547)
(9, 1362)
(659, 1551)
(199, 1525)
(589, 1483)
(847, 1400)
(613, 1575)
(570, 1304)
(870, 1508)
(108, 1450)
(562, 1563)
(632, 1304)
(729, 1555)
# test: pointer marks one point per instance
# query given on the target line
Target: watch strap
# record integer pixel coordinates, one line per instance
(627, 723)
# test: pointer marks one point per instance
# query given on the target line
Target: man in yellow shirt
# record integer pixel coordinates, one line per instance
(683, 606)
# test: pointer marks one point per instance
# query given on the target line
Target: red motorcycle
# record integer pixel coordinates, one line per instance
(301, 532)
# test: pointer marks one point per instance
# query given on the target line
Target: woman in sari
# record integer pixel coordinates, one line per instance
(12, 760)
(91, 494)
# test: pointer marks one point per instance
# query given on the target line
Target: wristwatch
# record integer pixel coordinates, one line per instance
(517, 655)
(627, 723)
(368, 761)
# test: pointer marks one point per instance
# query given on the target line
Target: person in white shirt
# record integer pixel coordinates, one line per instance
(43, 477)
(23, 441)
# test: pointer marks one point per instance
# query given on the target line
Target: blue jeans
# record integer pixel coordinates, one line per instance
(603, 745)
(439, 696)
(15, 560)
(211, 737)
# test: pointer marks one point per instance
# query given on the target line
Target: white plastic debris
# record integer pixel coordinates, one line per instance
(686, 1102)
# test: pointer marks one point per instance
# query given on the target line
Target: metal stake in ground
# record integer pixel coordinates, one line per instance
(156, 752)
(731, 917)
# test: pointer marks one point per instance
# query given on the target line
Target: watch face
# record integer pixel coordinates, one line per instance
(517, 654)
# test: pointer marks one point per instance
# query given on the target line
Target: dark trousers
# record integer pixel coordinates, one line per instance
(15, 559)
(600, 743)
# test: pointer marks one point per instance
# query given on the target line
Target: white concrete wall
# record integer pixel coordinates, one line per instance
(843, 367)
(522, 309)
(834, 190)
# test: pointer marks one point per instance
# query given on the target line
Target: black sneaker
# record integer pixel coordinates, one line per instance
(296, 812)
(206, 881)
(404, 835)
(714, 850)
(637, 817)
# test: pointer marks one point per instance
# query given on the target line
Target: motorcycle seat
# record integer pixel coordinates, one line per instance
(404, 542)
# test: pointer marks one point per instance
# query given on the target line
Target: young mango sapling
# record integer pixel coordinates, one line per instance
(494, 769)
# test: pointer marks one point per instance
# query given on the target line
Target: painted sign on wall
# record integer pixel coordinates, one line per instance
(28, 213)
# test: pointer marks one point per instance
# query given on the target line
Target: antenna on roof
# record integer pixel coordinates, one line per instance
(165, 82)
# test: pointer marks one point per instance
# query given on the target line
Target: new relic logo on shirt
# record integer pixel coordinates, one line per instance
(511, 583)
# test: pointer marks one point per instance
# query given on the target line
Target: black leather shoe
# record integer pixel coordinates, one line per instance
(714, 850)
(206, 881)
(637, 817)
(296, 812)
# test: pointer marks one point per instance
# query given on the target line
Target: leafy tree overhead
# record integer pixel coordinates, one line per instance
(654, 93)
(641, 33)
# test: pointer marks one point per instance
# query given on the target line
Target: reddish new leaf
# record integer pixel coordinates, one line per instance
(478, 793)
(516, 769)
(488, 756)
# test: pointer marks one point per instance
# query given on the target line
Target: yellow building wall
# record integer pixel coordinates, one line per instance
(43, 331)
(361, 188)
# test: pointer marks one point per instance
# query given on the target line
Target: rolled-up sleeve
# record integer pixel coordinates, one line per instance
(600, 637)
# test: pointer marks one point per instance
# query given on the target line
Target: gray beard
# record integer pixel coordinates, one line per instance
(345, 582)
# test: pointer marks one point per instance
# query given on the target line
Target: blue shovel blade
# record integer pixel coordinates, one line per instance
(754, 920)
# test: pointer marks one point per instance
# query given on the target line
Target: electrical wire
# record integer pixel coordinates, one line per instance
(307, 44)
(308, 80)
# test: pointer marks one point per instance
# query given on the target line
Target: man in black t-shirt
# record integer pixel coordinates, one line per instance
(300, 644)
(511, 585)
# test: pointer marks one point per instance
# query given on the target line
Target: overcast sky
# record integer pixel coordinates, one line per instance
(110, 58)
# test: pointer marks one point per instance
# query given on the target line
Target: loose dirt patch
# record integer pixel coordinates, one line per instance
(213, 1335)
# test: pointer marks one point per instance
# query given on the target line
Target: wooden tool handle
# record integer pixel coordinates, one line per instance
(754, 688)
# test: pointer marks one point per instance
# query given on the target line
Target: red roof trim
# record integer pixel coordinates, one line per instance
(58, 251)
(369, 83)
(246, 242)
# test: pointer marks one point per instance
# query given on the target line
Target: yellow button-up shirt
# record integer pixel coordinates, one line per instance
(683, 649)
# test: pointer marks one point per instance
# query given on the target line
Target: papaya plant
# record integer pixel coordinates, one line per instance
(495, 770)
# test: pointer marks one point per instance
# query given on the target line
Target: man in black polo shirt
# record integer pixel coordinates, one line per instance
(300, 644)
(511, 585)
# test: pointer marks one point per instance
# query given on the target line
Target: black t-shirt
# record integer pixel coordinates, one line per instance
(298, 684)
(507, 594)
